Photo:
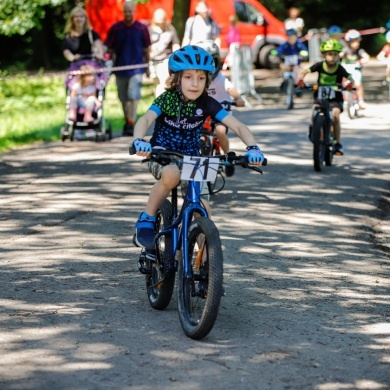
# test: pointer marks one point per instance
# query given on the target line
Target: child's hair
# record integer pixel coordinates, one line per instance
(87, 70)
(174, 81)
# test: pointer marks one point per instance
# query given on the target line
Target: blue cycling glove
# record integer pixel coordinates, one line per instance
(254, 154)
(140, 145)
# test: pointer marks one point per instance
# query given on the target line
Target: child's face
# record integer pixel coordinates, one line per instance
(354, 44)
(331, 57)
(292, 39)
(89, 79)
(193, 83)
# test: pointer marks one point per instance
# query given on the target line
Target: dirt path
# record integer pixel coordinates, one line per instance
(306, 266)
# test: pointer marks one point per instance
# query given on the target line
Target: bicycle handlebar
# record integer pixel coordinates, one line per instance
(164, 157)
(338, 87)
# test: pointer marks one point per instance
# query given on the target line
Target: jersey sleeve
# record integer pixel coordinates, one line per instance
(215, 109)
(302, 46)
(228, 84)
(315, 67)
(344, 73)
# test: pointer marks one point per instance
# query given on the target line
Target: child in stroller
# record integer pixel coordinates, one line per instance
(85, 90)
(83, 99)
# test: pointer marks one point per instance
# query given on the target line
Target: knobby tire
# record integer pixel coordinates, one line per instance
(199, 297)
(160, 283)
(290, 93)
(318, 144)
(329, 151)
(351, 107)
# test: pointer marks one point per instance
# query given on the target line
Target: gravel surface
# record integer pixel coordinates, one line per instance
(306, 265)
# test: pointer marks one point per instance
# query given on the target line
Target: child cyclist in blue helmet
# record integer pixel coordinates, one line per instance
(179, 114)
(293, 52)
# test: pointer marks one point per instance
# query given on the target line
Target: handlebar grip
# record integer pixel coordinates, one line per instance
(265, 162)
(132, 149)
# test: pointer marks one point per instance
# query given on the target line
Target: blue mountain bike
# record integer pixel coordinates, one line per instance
(187, 242)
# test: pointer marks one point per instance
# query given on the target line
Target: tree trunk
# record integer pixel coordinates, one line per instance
(181, 12)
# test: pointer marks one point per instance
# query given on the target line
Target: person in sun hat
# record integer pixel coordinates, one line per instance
(201, 26)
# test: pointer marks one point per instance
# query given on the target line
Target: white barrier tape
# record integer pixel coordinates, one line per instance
(369, 31)
(108, 69)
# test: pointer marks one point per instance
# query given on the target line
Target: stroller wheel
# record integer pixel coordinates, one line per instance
(63, 136)
(65, 132)
(109, 132)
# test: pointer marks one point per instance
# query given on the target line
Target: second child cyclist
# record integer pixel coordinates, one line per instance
(221, 89)
(331, 73)
(179, 114)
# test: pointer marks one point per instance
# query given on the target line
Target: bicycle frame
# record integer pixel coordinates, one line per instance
(324, 109)
(179, 227)
(192, 233)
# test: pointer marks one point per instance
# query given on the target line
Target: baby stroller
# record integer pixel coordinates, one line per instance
(96, 129)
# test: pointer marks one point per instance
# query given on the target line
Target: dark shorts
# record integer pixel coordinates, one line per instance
(332, 104)
(129, 88)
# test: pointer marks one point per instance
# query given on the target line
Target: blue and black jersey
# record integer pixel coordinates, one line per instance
(178, 124)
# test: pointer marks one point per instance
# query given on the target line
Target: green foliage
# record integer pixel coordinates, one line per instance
(33, 108)
(20, 16)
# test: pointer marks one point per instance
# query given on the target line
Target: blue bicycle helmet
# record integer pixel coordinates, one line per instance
(291, 31)
(334, 30)
(191, 58)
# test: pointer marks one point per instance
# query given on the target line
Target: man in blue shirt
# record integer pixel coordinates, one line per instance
(129, 41)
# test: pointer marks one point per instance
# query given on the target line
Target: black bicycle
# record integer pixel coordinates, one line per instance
(187, 242)
(322, 128)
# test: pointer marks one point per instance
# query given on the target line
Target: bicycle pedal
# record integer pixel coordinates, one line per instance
(144, 262)
(143, 268)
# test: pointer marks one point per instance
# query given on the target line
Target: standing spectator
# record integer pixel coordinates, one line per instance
(384, 56)
(353, 59)
(129, 42)
(80, 39)
(164, 41)
(200, 27)
(233, 34)
(294, 21)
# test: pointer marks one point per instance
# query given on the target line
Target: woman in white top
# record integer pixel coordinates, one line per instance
(294, 21)
(200, 27)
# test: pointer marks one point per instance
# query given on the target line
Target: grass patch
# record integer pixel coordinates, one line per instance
(33, 108)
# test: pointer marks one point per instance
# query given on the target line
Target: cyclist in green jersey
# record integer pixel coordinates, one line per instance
(332, 74)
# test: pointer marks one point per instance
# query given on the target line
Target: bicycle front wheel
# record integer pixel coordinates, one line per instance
(290, 93)
(200, 294)
(318, 142)
(351, 107)
(161, 280)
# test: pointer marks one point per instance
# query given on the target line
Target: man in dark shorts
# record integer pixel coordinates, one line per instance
(129, 41)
